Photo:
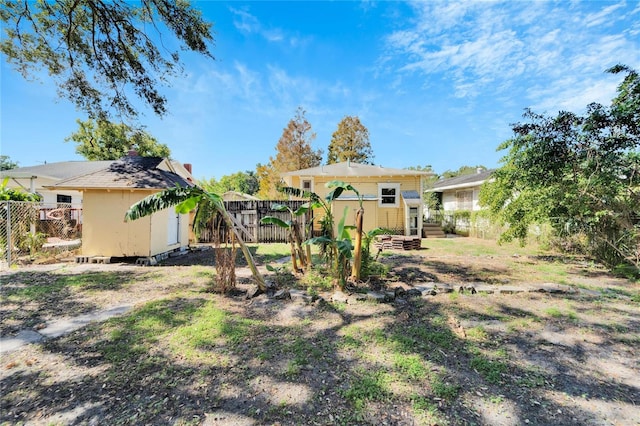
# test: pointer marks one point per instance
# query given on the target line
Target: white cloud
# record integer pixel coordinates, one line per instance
(602, 17)
(528, 49)
(247, 23)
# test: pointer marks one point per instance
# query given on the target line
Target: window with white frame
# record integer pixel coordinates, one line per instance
(388, 194)
(306, 184)
(464, 200)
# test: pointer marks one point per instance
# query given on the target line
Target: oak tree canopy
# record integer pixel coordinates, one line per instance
(103, 53)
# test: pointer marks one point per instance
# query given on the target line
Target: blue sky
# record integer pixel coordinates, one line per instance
(435, 83)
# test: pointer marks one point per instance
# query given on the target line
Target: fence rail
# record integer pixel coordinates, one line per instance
(29, 229)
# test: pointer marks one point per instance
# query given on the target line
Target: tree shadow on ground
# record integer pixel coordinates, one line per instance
(191, 359)
(206, 256)
(29, 299)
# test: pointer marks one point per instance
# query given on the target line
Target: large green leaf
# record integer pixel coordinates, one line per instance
(280, 207)
(162, 200)
(341, 226)
(275, 221)
(318, 240)
(345, 248)
(189, 204)
(343, 185)
(302, 209)
(331, 196)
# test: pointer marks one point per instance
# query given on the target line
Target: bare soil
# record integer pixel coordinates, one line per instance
(501, 358)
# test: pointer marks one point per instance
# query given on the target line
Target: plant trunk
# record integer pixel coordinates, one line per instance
(357, 250)
(295, 233)
(262, 285)
(294, 262)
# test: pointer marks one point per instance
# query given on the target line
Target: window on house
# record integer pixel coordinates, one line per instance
(388, 194)
(60, 198)
(307, 185)
(464, 200)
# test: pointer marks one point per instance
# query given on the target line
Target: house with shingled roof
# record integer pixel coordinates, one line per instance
(461, 192)
(391, 197)
(109, 192)
(37, 179)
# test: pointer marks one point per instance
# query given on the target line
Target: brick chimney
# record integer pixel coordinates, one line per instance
(132, 153)
(188, 167)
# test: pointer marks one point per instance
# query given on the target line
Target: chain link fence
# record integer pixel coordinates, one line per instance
(31, 231)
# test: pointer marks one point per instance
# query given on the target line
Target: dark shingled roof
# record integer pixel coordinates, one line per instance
(127, 173)
(464, 180)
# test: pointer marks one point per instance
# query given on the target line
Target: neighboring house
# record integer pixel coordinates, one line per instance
(460, 192)
(238, 196)
(36, 179)
(391, 196)
(108, 193)
(39, 179)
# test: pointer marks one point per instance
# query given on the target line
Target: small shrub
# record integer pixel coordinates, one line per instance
(32, 242)
(316, 280)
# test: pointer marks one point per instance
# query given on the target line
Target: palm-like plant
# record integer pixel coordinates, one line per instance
(337, 248)
(341, 247)
(185, 199)
(295, 239)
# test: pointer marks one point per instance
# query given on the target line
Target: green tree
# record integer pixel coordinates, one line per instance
(462, 171)
(103, 140)
(350, 142)
(580, 173)
(293, 152)
(101, 52)
(430, 198)
(245, 182)
(6, 163)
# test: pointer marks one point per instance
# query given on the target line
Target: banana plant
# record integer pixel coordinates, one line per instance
(295, 239)
(326, 223)
(338, 248)
(342, 248)
(186, 199)
(357, 250)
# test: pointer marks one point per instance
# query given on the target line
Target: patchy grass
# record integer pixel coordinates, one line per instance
(36, 286)
(185, 356)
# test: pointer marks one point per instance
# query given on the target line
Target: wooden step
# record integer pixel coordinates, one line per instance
(433, 231)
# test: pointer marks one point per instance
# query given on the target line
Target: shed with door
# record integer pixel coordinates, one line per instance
(109, 192)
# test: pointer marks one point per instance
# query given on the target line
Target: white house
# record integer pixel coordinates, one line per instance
(460, 192)
(35, 179)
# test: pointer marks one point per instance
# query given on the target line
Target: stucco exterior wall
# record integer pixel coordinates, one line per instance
(105, 233)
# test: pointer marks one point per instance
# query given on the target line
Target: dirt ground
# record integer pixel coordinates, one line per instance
(446, 357)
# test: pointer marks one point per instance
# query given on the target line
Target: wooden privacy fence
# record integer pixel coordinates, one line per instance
(246, 216)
